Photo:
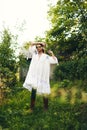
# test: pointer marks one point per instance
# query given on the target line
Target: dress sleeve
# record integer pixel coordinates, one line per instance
(32, 50)
(53, 60)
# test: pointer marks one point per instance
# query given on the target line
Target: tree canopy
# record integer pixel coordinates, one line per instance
(67, 36)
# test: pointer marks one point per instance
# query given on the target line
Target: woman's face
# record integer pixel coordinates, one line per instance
(39, 48)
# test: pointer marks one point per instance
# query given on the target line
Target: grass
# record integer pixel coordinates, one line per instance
(68, 93)
(67, 110)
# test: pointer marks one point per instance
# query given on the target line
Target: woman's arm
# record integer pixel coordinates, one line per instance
(51, 54)
(53, 58)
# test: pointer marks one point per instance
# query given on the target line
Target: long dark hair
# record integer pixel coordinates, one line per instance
(43, 49)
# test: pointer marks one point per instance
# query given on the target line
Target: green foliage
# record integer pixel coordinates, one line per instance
(23, 61)
(69, 96)
(24, 65)
(67, 36)
(65, 83)
(71, 70)
(8, 78)
(60, 116)
(78, 94)
(8, 64)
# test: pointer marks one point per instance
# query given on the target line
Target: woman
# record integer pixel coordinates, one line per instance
(37, 79)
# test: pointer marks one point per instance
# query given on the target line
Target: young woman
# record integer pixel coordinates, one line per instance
(38, 76)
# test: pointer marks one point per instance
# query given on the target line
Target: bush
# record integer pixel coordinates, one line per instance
(8, 77)
(71, 70)
(65, 83)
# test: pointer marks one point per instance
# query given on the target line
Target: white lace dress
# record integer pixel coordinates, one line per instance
(38, 76)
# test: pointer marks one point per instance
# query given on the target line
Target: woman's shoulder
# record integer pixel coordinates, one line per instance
(46, 55)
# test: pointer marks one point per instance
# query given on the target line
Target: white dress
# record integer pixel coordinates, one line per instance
(38, 76)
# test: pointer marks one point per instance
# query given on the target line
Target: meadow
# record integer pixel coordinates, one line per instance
(67, 110)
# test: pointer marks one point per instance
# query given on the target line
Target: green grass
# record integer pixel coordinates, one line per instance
(67, 111)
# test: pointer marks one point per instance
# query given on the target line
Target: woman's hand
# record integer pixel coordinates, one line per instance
(50, 52)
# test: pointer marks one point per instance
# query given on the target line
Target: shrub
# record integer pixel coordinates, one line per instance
(71, 70)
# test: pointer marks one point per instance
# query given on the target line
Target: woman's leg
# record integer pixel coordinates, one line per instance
(45, 101)
(33, 98)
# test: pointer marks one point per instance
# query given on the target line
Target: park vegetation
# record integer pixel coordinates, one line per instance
(67, 38)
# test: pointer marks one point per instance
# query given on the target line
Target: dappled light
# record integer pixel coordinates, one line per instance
(70, 95)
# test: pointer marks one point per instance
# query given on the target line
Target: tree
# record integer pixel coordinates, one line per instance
(8, 64)
(67, 36)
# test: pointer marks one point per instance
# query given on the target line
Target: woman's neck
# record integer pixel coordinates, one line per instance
(39, 53)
